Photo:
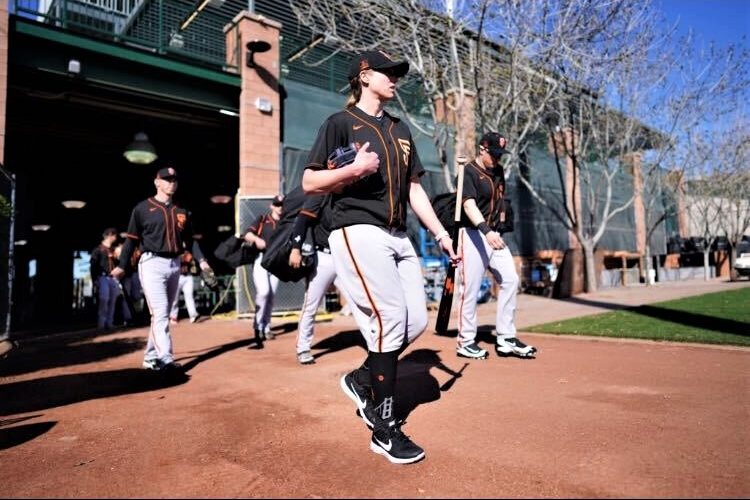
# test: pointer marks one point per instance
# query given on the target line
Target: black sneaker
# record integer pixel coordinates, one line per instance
(361, 396)
(389, 441)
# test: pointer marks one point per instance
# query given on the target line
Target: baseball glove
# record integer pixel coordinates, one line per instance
(341, 157)
(209, 278)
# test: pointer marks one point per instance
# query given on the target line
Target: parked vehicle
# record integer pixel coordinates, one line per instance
(742, 265)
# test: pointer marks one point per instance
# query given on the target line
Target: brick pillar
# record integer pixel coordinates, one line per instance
(633, 162)
(461, 117)
(260, 131)
(3, 73)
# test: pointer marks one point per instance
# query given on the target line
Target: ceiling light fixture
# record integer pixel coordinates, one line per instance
(140, 151)
(20, 243)
(40, 227)
(224, 229)
(221, 199)
(74, 204)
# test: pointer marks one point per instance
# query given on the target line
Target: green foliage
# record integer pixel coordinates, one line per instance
(715, 318)
(4, 206)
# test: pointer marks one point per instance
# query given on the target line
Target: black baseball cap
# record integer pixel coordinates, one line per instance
(278, 201)
(377, 60)
(495, 144)
(167, 173)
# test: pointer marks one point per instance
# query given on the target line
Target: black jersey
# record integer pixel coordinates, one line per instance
(161, 228)
(264, 226)
(102, 261)
(487, 188)
(315, 212)
(379, 199)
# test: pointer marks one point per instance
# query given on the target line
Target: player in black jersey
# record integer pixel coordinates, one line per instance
(162, 231)
(375, 262)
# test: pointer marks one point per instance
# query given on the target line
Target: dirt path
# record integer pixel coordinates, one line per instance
(587, 418)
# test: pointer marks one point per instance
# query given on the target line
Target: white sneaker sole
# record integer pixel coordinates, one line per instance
(394, 460)
(480, 355)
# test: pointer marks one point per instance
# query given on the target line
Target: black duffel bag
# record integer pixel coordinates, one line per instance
(276, 256)
(235, 252)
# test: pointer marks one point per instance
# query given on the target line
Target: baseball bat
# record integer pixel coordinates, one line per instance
(446, 300)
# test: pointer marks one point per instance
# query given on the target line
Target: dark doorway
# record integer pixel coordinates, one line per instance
(65, 138)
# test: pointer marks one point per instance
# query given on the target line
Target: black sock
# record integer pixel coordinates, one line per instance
(362, 374)
(383, 377)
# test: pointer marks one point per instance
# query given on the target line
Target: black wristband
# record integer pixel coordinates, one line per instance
(482, 226)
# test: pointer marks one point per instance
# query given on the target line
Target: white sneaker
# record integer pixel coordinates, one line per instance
(305, 358)
(267, 333)
(511, 346)
(472, 351)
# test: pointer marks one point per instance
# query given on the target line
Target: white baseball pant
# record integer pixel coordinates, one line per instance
(159, 279)
(317, 285)
(477, 257)
(186, 285)
(381, 276)
(265, 289)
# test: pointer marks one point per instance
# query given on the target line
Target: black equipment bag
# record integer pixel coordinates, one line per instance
(235, 252)
(276, 256)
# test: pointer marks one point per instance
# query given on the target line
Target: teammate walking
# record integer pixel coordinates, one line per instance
(107, 290)
(315, 213)
(377, 266)
(162, 230)
(482, 247)
(259, 234)
(186, 285)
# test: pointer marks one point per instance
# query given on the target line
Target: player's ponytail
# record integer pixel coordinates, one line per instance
(356, 92)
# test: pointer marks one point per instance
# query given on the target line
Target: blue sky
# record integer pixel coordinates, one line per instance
(721, 21)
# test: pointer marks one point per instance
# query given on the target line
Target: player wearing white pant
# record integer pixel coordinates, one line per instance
(375, 261)
(186, 285)
(163, 231)
(315, 213)
(259, 234)
(481, 247)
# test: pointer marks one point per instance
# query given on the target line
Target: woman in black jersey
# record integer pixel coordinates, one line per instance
(375, 261)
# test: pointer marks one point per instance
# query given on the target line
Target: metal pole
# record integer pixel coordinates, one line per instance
(11, 247)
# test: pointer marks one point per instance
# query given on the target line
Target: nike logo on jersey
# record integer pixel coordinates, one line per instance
(357, 127)
(152, 209)
(386, 447)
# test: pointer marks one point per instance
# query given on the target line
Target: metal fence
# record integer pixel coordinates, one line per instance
(160, 26)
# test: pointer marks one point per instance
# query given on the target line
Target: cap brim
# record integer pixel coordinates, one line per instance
(399, 68)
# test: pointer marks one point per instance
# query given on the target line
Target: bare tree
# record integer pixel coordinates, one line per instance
(733, 168)
(706, 86)
(605, 81)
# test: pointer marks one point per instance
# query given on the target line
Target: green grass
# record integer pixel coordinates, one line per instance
(714, 318)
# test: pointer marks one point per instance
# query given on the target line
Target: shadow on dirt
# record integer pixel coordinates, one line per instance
(339, 342)
(65, 350)
(61, 390)
(217, 351)
(416, 385)
(720, 325)
(13, 436)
